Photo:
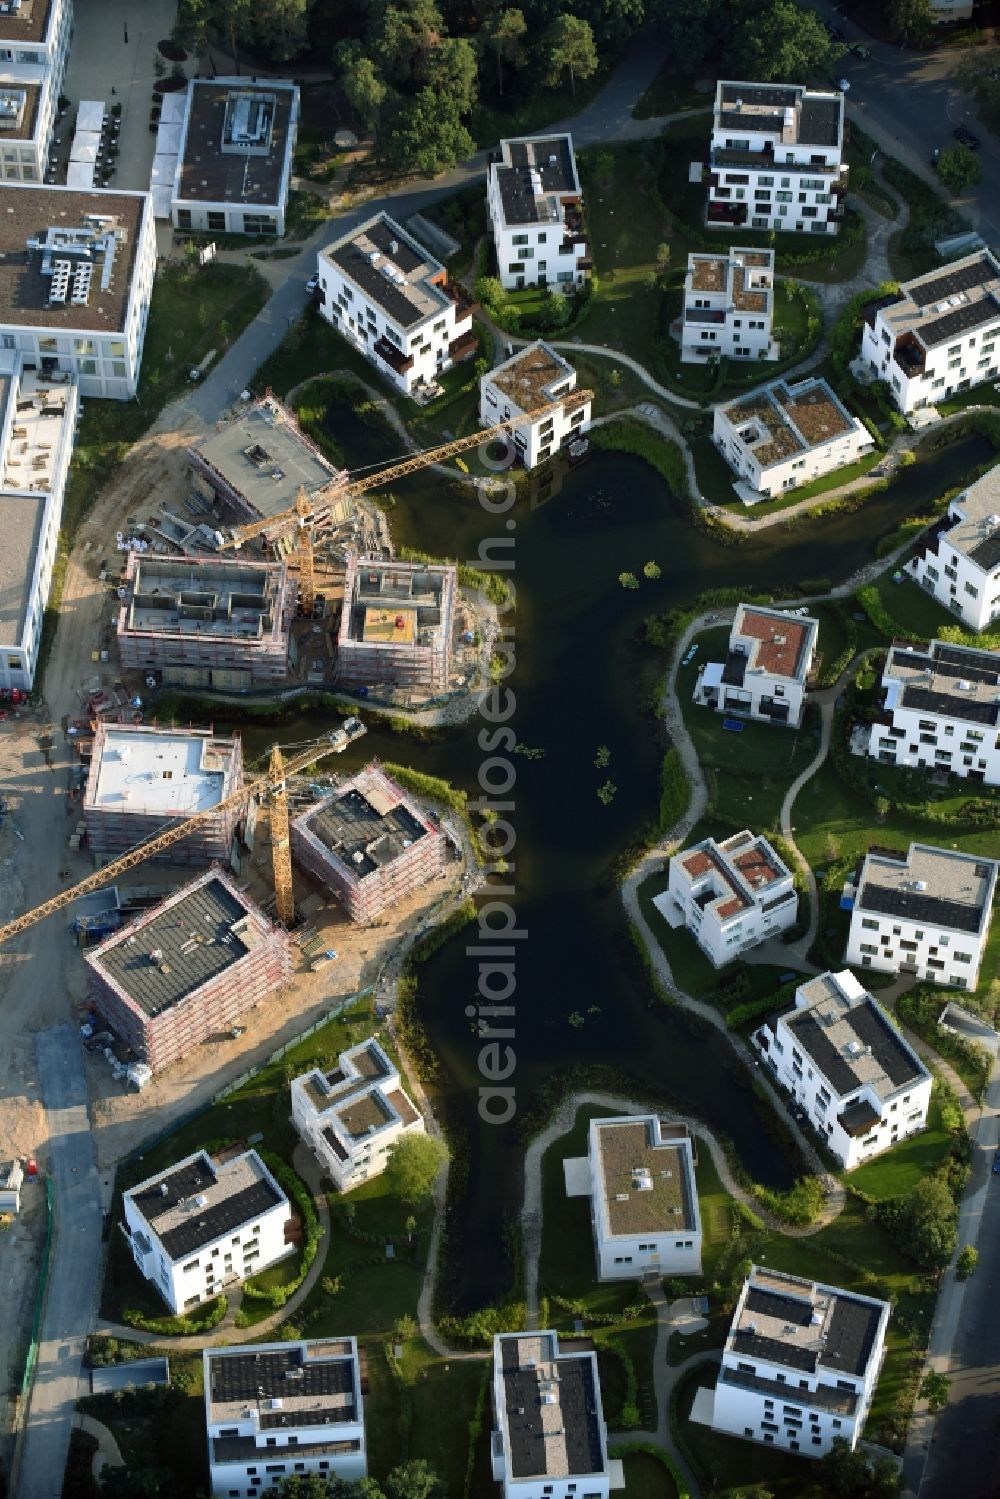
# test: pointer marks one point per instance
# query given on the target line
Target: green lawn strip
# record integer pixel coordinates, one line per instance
(722, 1462)
(715, 477)
(920, 1009)
(816, 487)
(669, 93)
(980, 395)
(896, 1171)
(649, 1475)
(931, 217)
(162, 1427)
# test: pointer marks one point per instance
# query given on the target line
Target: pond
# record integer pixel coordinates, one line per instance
(582, 679)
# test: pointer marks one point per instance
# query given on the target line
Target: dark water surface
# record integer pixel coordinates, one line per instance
(582, 681)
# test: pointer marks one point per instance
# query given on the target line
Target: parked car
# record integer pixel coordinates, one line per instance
(844, 85)
(860, 51)
(965, 137)
(312, 285)
(935, 156)
(996, 1162)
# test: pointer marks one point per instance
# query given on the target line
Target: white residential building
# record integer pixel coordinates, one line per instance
(729, 307)
(644, 1200)
(536, 213)
(941, 710)
(951, 10)
(535, 376)
(393, 301)
(926, 912)
(776, 159)
(37, 425)
(767, 668)
(206, 1224)
(782, 435)
(839, 1054)
(274, 1410)
(11, 1181)
(958, 560)
(353, 1116)
(732, 895)
(76, 277)
(550, 1440)
(800, 1365)
(938, 334)
(34, 46)
(234, 148)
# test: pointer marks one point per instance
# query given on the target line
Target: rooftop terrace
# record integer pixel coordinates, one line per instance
(646, 1185)
(781, 420)
(527, 380)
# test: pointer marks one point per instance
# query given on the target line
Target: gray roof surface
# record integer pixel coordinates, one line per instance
(21, 519)
(208, 912)
(29, 23)
(209, 174)
(235, 1193)
(364, 838)
(280, 460)
(406, 301)
(574, 1432)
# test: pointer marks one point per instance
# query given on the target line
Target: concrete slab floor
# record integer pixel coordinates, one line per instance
(114, 47)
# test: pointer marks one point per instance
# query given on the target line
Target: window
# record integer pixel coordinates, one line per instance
(216, 220)
(519, 239)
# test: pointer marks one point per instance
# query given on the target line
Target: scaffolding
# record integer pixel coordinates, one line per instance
(396, 624)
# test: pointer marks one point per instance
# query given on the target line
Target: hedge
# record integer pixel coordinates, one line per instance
(297, 1191)
(675, 791)
(213, 1311)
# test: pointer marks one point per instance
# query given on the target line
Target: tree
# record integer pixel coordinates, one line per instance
(968, 1259)
(693, 30)
(403, 36)
(934, 1389)
(414, 1480)
(662, 260)
(571, 49)
(651, 570)
(844, 1474)
(305, 1486)
(979, 75)
(505, 31)
(778, 43)
(555, 309)
(451, 70)
(959, 168)
(929, 1229)
(413, 1167)
(628, 580)
(361, 81)
(912, 19)
(278, 27)
(426, 135)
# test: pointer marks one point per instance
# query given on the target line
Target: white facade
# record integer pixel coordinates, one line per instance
(274, 1410)
(841, 1057)
(776, 159)
(32, 68)
(394, 303)
(926, 912)
(644, 1199)
(535, 376)
(205, 1225)
(11, 1180)
(800, 1365)
(783, 435)
(34, 465)
(958, 561)
(550, 1439)
(234, 159)
(81, 306)
(536, 213)
(353, 1116)
(951, 10)
(732, 895)
(940, 710)
(729, 307)
(767, 668)
(937, 335)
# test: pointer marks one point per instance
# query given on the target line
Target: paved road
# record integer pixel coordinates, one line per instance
(607, 118)
(964, 1452)
(74, 1271)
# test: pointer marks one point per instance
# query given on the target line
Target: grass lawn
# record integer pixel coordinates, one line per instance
(646, 1477)
(810, 491)
(726, 1462)
(161, 1428)
(917, 612)
(715, 477)
(669, 93)
(897, 1171)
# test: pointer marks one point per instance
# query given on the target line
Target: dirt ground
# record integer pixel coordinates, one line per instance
(21, 1239)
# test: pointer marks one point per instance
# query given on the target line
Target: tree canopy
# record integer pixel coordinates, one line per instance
(412, 1480)
(772, 41)
(930, 1223)
(413, 1167)
(959, 168)
(846, 1474)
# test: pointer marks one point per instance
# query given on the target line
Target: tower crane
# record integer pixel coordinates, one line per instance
(272, 780)
(305, 512)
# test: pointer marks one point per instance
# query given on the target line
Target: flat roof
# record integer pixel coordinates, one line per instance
(184, 943)
(21, 518)
(939, 886)
(19, 115)
(850, 1038)
(552, 1407)
(205, 598)
(946, 303)
(744, 866)
(789, 419)
(159, 771)
(265, 458)
(976, 513)
(311, 1383)
(951, 680)
(209, 170)
(199, 1200)
(793, 113)
(646, 1181)
(534, 174)
(360, 1095)
(25, 20)
(393, 271)
(363, 830)
(25, 292)
(777, 642)
(527, 379)
(397, 603)
(395, 626)
(745, 276)
(805, 1326)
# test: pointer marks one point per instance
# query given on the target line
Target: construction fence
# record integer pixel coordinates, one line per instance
(31, 1357)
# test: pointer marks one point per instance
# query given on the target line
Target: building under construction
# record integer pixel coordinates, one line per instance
(368, 843)
(256, 464)
(396, 624)
(205, 621)
(187, 970)
(142, 779)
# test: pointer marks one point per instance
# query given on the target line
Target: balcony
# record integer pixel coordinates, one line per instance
(726, 213)
(393, 357)
(463, 346)
(463, 306)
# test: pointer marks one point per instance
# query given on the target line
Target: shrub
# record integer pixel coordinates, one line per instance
(968, 1259)
(675, 793)
(799, 1206)
(207, 1316)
